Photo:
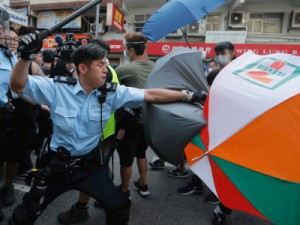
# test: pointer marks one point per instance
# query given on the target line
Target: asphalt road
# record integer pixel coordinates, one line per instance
(162, 207)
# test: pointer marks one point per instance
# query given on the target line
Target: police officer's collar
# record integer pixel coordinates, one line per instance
(77, 87)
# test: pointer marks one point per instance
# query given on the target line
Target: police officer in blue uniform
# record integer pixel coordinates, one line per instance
(79, 109)
(7, 61)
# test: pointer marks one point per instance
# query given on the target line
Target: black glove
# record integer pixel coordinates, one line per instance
(197, 98)
(29, 45)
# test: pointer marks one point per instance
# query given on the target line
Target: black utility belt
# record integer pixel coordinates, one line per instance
(89, 159)
(62, 164)
(62, 159)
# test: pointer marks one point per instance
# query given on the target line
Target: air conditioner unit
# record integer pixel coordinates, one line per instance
(177, 33)
(93, 28)
(236, 18)
(295, 18)
(196, 29)
(140, 18)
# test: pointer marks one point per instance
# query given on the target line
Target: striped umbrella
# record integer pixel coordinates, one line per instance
(249, 153)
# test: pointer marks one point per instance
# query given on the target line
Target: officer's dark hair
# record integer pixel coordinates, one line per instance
(137, 41)
(48, 55)
(88, 53)
(102, 44)
(222, 46)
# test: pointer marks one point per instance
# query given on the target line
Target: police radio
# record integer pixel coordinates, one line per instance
(107, 87)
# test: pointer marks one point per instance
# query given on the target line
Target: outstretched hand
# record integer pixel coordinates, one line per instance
(197, 98)
(29, 45)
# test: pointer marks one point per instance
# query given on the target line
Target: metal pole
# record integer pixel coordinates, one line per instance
(184, 35)
(97, 21)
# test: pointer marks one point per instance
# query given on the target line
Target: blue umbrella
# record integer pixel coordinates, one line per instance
(176, 14)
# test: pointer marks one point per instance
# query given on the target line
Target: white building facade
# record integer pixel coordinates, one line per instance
(264, 26)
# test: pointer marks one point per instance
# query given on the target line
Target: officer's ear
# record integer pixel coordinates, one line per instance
(82, 68)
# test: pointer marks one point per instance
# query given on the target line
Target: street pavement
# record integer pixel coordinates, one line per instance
(162, 207)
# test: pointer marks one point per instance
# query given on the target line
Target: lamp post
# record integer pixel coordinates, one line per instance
(97, 21)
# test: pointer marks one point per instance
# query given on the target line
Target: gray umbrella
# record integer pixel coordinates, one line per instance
(169, 127)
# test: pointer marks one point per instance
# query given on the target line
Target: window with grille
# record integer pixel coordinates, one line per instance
(265, 22)
(139, 22)
(213, 22)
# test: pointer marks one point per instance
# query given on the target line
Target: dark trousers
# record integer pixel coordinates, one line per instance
(92, 181)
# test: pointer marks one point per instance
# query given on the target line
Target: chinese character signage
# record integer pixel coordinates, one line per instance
(232, 36)
(114, 17)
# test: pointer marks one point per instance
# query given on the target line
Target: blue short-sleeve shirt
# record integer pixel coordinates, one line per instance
(5, 72)
(76, 117)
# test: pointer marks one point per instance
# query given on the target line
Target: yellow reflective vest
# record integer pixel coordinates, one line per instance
(110, 126)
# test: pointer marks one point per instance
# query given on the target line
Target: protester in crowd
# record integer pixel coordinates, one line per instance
(212, 65)
(179, 171)
(224, 55)
(39, 58)
(77, 114)
(133, 74)
(211, 76)
(48, 57)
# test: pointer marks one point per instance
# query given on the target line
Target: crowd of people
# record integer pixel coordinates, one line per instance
(82, 120)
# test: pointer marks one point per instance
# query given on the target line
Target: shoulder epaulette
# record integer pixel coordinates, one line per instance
(110, 86)
(63, 79)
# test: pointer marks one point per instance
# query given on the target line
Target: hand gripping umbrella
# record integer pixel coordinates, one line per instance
(169, 127)
(176, 14)
(252, 150)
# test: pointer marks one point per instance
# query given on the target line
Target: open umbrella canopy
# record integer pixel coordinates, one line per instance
(169, 127)
(251, 144)
(182, 68)
(176, 14)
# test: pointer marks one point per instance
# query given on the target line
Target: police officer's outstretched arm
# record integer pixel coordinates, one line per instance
(164, 96)
(29, 45)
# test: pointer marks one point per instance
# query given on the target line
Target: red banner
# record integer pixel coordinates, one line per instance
(162, 48)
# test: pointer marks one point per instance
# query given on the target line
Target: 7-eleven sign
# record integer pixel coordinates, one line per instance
(269, 73)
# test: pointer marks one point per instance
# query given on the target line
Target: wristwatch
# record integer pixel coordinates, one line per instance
(72, 70)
